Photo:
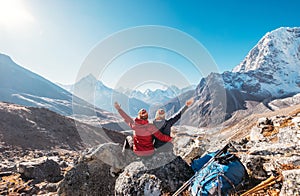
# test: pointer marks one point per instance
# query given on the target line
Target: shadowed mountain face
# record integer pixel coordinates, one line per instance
(40, 128)
(270, 71)
(36, 128)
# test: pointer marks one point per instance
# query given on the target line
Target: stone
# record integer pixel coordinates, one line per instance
(296, 121)
(96, 171)
(150, 177)
(88, 178)
(264, 121)
(40, 170)
(51, 187)
(110, 154)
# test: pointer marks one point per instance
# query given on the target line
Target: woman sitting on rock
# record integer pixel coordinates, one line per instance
(143, 132)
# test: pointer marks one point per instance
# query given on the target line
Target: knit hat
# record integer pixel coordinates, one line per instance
(143, 114)
(160, 114)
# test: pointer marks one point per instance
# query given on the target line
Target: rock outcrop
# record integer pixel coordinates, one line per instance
(88, 178)
(273, 149)
(149, 177)
(27, 172)
(96, 171)
(40, 170)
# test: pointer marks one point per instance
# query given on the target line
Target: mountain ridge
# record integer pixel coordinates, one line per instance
(95, 92)
(218, 96)
(21, 86)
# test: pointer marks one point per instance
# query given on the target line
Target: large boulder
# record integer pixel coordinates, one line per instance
(95, 172)
(40, 170)
(162, 174)
(88, 178)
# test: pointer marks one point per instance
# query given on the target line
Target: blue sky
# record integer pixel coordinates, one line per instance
(53, 37)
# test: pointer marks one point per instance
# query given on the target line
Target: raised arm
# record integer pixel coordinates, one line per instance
(125, 116)
(177, 116)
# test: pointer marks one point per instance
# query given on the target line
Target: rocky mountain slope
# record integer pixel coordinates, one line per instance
(34, 128)
(271, 150)
(270, 71)
(21, 86)
(39, 128)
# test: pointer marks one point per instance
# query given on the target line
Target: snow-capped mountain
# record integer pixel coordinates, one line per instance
(274, 63)
(95, 92)
(159, 96)
(270, 71)
(21, 86)
(88, 87)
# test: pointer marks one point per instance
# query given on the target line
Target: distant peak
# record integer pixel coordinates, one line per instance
(277, 48)
(89, 78)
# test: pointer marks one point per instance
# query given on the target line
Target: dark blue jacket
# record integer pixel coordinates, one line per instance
(164, 126)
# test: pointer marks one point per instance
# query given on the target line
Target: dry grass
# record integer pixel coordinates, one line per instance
(13, 185)
(289, 166)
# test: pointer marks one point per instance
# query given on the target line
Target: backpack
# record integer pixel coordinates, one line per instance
(219, 177)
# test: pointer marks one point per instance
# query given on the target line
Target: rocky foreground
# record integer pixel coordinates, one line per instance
(38, 172)
(273, 151)
(270, 150)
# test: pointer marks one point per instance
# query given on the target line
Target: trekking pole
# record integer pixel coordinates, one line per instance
(187, 183)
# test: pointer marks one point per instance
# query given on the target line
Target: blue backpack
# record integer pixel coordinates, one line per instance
(220, 177)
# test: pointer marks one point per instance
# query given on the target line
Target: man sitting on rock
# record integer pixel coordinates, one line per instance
(164, 125)
(143, 132)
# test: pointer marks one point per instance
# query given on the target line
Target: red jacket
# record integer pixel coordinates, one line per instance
(142, 135)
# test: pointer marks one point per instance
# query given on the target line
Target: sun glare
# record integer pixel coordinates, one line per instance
(13, 13)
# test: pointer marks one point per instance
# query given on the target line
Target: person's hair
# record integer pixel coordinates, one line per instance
(160, 114)
(143, 114)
